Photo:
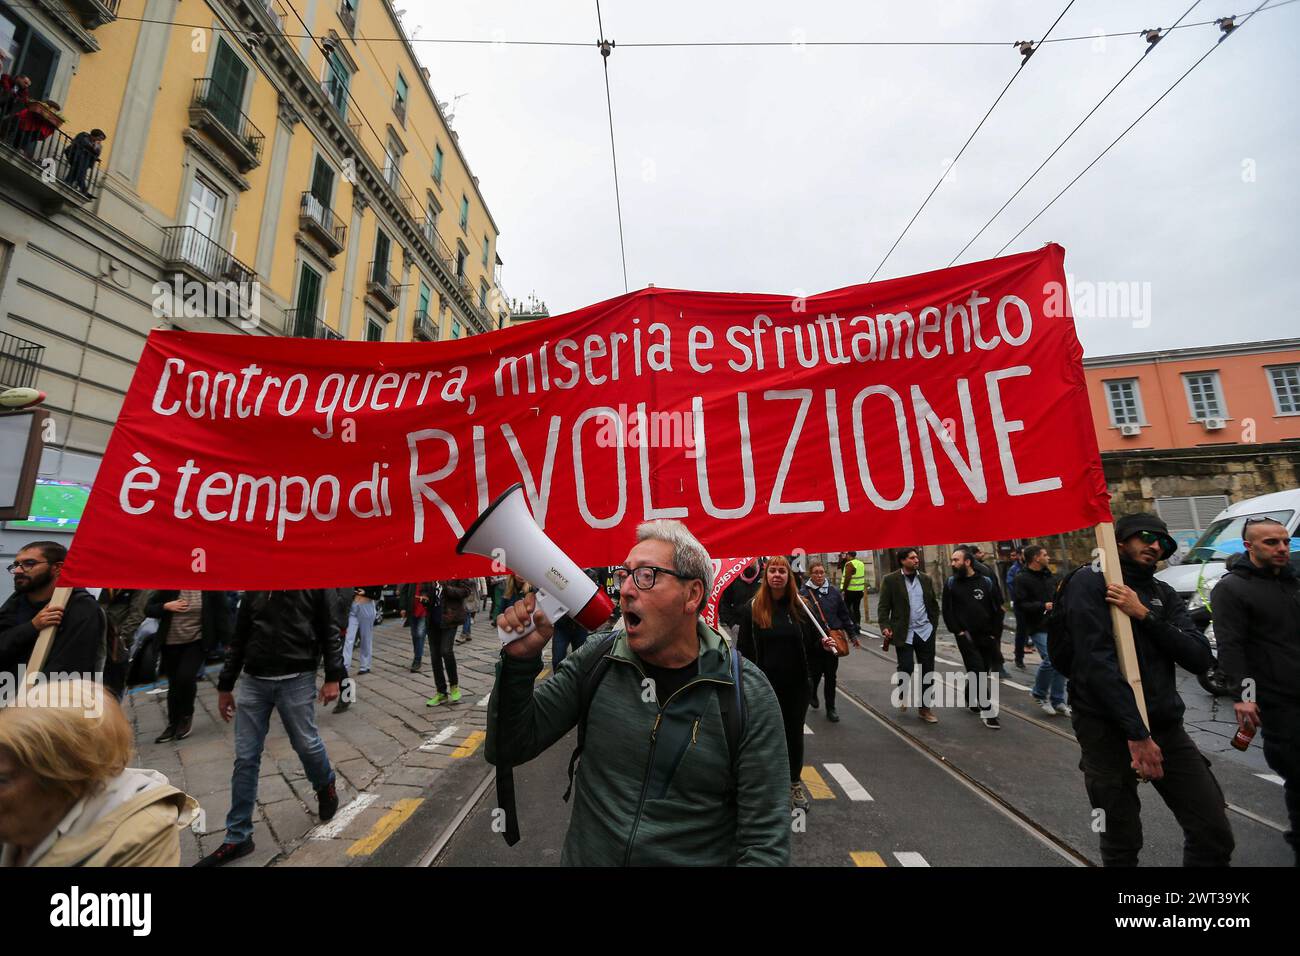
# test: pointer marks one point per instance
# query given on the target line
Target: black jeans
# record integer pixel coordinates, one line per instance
(1281, 732)
(909, 654)
(442, 649)
(1188, 789)
(825, 665)
(793, 701)
(181, 663)
(1022, 637)
(853, 600)
(980, 654)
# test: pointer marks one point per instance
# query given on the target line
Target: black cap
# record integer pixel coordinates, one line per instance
(1129, 525)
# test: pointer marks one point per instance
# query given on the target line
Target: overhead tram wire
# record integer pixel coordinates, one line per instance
(605, 47)
(937, 184)
(1060, 146)
(1130, 126)
(664, 45)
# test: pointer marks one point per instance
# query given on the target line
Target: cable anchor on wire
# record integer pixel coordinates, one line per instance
(606, 47)
(1152, 37)
(1226, 24)
(1026, 50)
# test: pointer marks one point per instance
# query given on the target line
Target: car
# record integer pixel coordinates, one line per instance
(1195, 573)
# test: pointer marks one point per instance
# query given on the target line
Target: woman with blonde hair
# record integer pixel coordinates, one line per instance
(777, 634)
(67, 797)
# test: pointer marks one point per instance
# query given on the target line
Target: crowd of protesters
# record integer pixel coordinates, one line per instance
(782, 621)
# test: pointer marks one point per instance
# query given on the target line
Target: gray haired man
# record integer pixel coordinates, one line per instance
(681, 765)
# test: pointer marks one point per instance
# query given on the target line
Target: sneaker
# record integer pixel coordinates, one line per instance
(454, 697)
(974, 709)
(185, 729)
(833, 717)
(1064, 710)
(992, 723)
(342, 706)
(227, 852)
(415, 667)
(926, 714)
(1047, 708)
(365, 670)
(798, 799)
(327, 800)
(1020, 665)
(166, 735)
(436, 699)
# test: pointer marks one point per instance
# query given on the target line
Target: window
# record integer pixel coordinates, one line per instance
(1285, 380)
(1188, 517)
(336, 82)
(482, 296)
(308, 301)
(374, 331)
(431, 211)
(400, 106)
(1203, 395)
(464, 212)
(348, 14)
(381, 257)
(455, 328)
(226, 91)
(393, 162)
(460, 263)
(437, 165)
(1124, 402)
(486, 243)
(322, 182)
(423, 301)
(24, 51)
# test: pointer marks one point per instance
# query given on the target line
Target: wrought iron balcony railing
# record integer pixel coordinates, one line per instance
(301, 324)
(424, 327)
(320, 219)
(186, 246)
(55, 162)
(20, 361)
(216, 110)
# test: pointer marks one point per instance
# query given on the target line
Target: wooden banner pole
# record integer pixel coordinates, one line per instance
(1120, 624)
(46, 638)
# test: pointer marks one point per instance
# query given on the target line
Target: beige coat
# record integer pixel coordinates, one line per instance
(134, 821)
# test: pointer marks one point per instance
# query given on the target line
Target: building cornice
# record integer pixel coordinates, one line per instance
(1165, 356)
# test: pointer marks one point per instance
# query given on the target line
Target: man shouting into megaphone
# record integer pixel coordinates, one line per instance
(683, 753)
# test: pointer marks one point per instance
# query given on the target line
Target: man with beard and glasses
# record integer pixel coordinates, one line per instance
(80, 643)
(681, 766)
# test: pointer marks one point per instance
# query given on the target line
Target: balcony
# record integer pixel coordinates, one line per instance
(20, 361)
(51, 170)
(319, 221)
(381, 286)
(191, 252)
(424, 327)
(348, 17)
(301, 324)
(94, 13)
(216, 113)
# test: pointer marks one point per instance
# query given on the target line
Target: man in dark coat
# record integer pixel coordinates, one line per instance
(909, 614)
(973, 612)
(80, 644)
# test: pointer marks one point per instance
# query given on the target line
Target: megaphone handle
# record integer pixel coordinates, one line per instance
(548, 605)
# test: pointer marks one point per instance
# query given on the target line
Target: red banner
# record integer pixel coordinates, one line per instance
(725, 570)
(932, 408)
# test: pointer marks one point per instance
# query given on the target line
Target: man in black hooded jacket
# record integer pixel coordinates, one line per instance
(1257, 625)
(1112, 737)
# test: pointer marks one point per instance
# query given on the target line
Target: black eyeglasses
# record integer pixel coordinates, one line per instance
(26, 565)
(644, 577)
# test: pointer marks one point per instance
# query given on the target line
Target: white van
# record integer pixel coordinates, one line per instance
(1201, 567)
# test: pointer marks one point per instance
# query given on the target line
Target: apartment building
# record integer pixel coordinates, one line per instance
(287, 159)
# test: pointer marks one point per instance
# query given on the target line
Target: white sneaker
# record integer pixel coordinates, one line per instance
(1063, 710)
(1047, 708)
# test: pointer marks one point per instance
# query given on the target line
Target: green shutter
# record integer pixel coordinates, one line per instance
(226, 92)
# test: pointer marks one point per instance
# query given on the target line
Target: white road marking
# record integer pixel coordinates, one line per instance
(442, 735)
(807, 730)
(845, 779)
(944, 660)
(908, 858)
(484, 702)
(1012, 683)
(1271, 778)
(328, 831)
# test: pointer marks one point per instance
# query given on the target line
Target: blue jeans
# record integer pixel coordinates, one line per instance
(295, 699)
(419, 628)
(569, 636)
(361, 619)
(1048, 679)
(469, 619)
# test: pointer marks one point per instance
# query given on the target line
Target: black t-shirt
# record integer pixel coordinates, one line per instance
(669, 680)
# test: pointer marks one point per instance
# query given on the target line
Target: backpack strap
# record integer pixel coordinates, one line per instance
(588, 681)
(732, 705)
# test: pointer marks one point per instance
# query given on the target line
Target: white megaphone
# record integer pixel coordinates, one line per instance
(507, 529)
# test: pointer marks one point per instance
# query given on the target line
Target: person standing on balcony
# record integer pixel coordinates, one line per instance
(82, 155)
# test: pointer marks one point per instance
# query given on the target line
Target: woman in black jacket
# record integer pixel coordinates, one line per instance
(832, 614)
(190, 623)
(777, 634)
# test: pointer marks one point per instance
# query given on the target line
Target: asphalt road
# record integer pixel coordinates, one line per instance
(890, 790)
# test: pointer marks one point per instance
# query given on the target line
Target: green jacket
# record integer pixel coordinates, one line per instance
(895, 610)
(654, 786)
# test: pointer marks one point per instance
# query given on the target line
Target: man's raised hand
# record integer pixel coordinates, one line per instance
(515, 618)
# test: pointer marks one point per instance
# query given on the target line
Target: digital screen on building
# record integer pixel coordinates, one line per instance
(56, 506)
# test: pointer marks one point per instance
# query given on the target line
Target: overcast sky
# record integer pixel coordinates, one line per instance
(794, 168)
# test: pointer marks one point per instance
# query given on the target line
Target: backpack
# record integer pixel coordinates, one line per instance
(730, 702)
(1060, 646)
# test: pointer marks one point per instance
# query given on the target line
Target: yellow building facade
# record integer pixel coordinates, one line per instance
(268, 167)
